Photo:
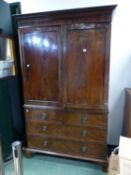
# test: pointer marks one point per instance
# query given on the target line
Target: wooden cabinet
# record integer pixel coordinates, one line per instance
(65, 73)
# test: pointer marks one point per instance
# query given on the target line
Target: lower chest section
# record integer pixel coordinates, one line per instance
(67, 132)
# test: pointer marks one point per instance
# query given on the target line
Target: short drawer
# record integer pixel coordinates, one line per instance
(44, 128)
(43, 115)
(84, 118)
(70, 132)
(80, 149)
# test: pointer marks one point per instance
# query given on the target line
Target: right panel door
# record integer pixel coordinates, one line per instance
(84, 63)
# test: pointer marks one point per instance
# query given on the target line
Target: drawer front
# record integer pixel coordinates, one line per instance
(82, 149)
(43, 115)
(83, 118)
(72, 132)
(43, 128)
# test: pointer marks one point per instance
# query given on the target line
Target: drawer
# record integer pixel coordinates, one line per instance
(83, 118)
(43, 128)
(81, 149)
(43, 115)
(70, 132)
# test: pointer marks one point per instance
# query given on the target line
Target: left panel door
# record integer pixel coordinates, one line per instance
(40, 60)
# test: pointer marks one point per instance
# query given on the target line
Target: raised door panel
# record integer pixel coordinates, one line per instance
(84, 63)
(40, 50)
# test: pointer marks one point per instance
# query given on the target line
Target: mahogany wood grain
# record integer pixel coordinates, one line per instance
(84, 149)
(85, 118)
(85, 133)
(40, 50)
(84, 78)
(40, 115)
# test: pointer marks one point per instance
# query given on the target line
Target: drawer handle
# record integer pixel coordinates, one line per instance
(84, 149)
(44, 128)
(84, 119)
(45, 143)
(43, 116)
(84, 133)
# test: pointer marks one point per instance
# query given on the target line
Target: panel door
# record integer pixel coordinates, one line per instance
(84, 64)
(40, 53)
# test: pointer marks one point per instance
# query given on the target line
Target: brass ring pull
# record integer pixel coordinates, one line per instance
(84, 119)
(43, 116)
(44, 128)
(84, 133)
(84, 149)
(45, 143)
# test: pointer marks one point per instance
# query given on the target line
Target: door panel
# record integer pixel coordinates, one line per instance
(41, 52)
(85, 66)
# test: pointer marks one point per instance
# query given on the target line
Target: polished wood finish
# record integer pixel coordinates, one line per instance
(82, 149)
(69, 132)
(84, 78)
(83, 118)
(39, 55)
(127, 114)
(65, 74)
(45, 115)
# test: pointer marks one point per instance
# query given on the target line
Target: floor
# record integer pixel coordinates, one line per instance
(49, 165)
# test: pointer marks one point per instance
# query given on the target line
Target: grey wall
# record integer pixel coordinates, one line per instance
(5, 18)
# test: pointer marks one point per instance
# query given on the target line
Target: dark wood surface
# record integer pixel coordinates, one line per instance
(127, 114)
(40, 48)
(67, 147)
(84, 78)
(65, 75)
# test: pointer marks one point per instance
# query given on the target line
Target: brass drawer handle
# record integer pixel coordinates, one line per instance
(45, 143)
(43, 116)
(84, 149)
(44, 128)
(84, 133)
(84, 119)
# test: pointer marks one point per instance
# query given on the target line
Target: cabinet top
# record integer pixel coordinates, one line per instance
(101, 12)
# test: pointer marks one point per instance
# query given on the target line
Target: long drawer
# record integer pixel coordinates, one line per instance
(83, 149)
(65, 131)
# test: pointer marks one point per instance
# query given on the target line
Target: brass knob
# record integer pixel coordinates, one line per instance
(84, 149)
(44, 128)
(43, 116)
(84, 133)
(27, 110)
(84, 50)
(45, 143)
(84, 119)
(28, 65)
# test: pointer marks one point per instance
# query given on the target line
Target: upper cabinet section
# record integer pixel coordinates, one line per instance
(65, 57)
